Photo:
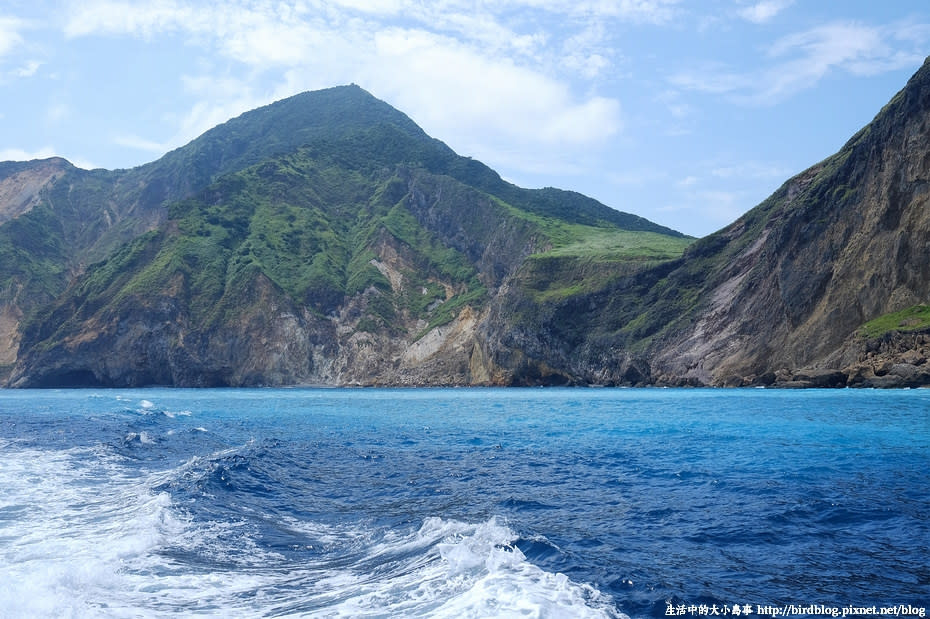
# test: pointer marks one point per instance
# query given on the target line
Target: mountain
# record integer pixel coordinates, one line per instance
(326, 239)
(789, 291)
(826, 283)
(323, 239)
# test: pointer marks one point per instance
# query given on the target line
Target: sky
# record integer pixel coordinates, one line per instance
(688, 113)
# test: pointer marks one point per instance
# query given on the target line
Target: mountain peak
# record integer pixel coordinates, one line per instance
(271, 130)
(21, 183)
(325, 113)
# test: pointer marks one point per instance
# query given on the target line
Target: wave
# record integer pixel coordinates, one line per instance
(449, 568)
(86, 532)
(78, 533)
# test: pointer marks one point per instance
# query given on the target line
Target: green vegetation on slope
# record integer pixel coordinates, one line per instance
(584, 259)
(338, 201)
(310, 225)
(314, 222)
(33, 256)
(611, 245)
(914, 318)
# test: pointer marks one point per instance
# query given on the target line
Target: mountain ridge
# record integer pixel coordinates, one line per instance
(837, 245)
(776, 298)
(338, 225)
(374, 255)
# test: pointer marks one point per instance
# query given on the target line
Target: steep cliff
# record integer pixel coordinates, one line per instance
(331, 242)
(779, 297)
(326, 239)
(787, 285)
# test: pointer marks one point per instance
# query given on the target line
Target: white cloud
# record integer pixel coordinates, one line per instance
(808, 56)
(10, 37)
(913, 32)
(763, 11)
(376, 7)
(857, 48)
(260, 33)
(588, 52)
(28, 70)
(263, 38)
(637, 11)
(18, 154)
(451, 87)
(832, 44)
(122, 17)
(482, 30)
(799, 61)
(468, 75)
(135, 142)
(589, 66)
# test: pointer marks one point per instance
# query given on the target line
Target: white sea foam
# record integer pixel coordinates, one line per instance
(71, 524)
(469, 570)
(82, 535)
(143, 438)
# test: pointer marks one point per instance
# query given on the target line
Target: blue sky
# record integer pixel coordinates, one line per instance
(687, 113)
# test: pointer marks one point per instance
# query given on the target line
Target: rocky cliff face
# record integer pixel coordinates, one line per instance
(776, 298)
(327, 240)
(344, 262)
(845, 241)
(21, 184)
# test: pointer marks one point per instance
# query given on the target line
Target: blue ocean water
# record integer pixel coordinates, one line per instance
(461, 502)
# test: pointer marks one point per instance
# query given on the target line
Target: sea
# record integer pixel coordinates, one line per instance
(546, 502)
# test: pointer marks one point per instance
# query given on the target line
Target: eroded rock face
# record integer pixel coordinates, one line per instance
(263, 338)
(836, 246)
(21, 184)
(21, 187)
(775, 299)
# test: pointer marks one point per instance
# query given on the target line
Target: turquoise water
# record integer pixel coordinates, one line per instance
(461, 502)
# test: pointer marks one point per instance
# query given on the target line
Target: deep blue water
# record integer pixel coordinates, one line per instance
(460, 502)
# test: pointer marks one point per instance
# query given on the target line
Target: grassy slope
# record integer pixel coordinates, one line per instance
(915, 318)
(586, 259)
